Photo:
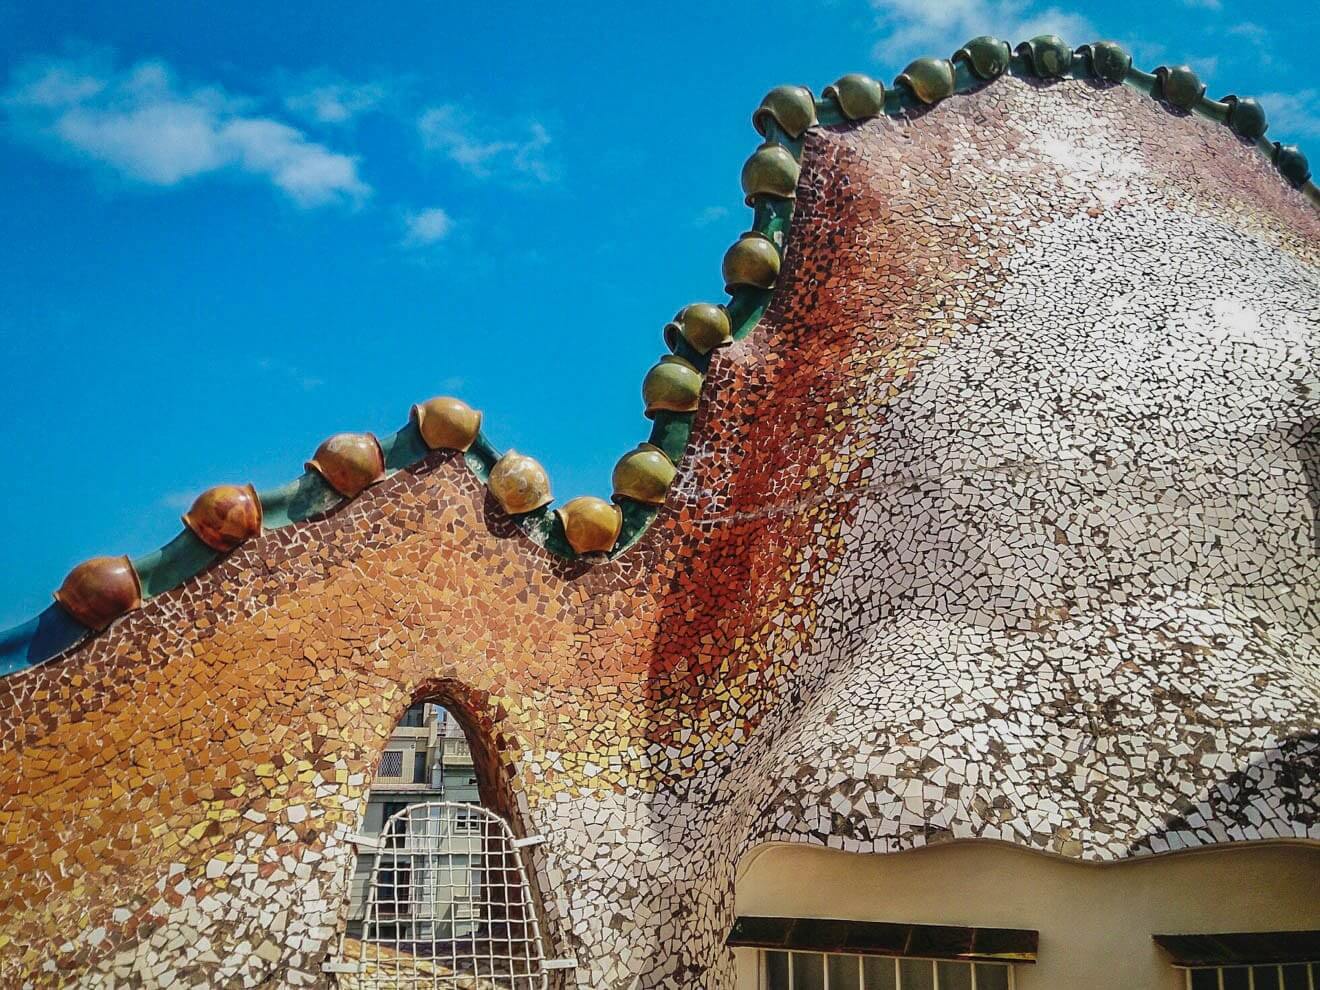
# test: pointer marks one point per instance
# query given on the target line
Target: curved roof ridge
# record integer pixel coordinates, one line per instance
(102, 589)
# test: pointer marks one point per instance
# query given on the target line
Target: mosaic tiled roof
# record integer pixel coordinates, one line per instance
(104, 588)
(994, 520)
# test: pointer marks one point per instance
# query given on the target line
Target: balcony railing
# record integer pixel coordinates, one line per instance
(456, 751)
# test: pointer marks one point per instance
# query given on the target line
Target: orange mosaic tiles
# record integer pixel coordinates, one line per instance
(966, 545)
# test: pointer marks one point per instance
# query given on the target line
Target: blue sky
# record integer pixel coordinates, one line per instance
(233, 229)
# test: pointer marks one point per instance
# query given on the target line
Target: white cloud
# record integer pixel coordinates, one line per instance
(335, 102)
(1205, 65)
(482, 153)
(710, 215)
(141, 124)
(939, 27)
(1260, 47)
(1292, 116)
(179, 501)
(1203, 4)
(305, 381)
(1253, 32)
(427, 226)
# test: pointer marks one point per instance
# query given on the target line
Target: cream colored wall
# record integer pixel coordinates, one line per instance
(1095, 921)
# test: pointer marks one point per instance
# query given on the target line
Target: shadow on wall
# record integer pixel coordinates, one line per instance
(749, 510)
(1308, 452)
(1289, 772)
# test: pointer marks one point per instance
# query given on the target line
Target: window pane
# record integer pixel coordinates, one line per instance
(991, 977)
(391, 764)
(917, 974)
(808, 971)
(1236, 978)
(776, 970)
(878, 973)
(955, 976)
(1205, 979)
(1265, 978)
(843, 972)
(1294, 978)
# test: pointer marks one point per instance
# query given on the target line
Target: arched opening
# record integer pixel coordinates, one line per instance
(440, 893)
(426, 760)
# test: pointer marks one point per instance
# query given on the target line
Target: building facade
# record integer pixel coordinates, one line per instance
(426, 760)
(956, 626)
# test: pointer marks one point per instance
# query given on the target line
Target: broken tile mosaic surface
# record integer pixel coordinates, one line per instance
(1001, 525)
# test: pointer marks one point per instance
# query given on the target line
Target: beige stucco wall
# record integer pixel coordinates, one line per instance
(1095, 921)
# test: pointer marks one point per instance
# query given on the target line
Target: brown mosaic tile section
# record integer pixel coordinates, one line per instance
(1000, 526)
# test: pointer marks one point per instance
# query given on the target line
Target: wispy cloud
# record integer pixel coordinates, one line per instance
(913, 27)
(140, 123)
(426, 227)
(1260, 47)
(486, 150)
(1203, 4)
(1253, 32)
(710, 215)
(293, 373)
(179, 501)
(328, 101)
(1293, 116)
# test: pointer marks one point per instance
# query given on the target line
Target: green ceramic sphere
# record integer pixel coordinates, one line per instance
(644, 475)
(673, 385)
(1048, 56)
(1291, 163)
(930, 79)
(1246, 117)
(704, 326)
(1110, 61)
(792, 107)
(771, 171)
(859, 97)
(987, 56)
(753, 260)
(1180, 86)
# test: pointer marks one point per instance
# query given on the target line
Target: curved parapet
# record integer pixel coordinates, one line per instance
(769, 179)
(994, 521)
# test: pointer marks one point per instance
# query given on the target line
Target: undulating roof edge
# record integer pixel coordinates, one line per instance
(100, 590)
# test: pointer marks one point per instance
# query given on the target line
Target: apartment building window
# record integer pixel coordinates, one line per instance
(419, 767)
(841, 971)
(838, 954)
(1289, 976)
(391, 764)
(395, 877)
(1246, 960)
(467, 823)
(414, 717)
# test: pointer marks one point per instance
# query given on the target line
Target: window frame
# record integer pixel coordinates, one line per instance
(762, 976)
(1312, 974)
(467, 823)
(414, 717)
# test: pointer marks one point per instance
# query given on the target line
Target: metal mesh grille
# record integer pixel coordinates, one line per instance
(448, 905)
